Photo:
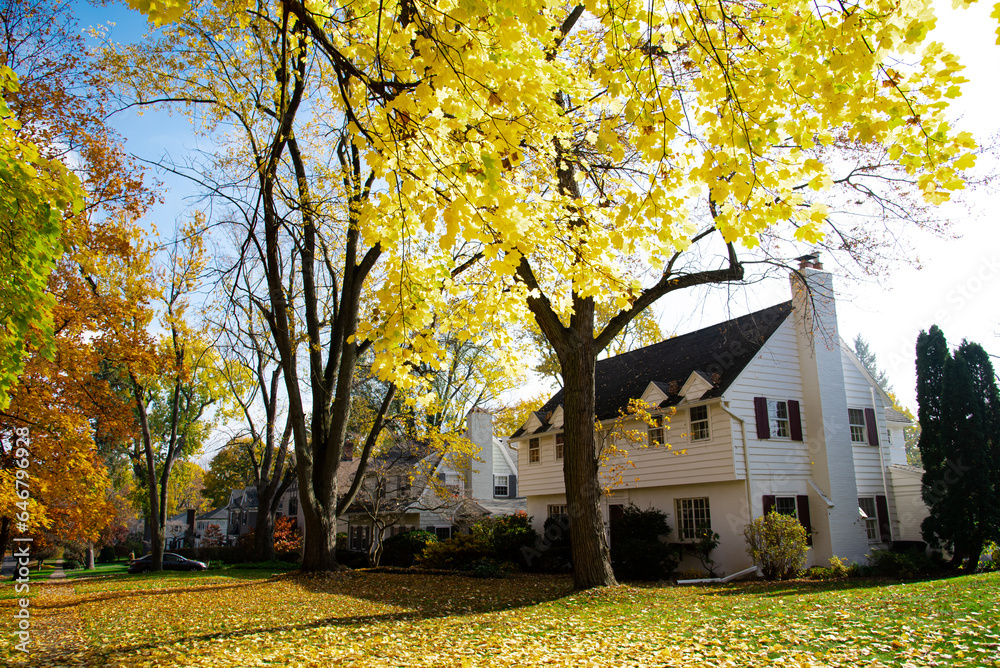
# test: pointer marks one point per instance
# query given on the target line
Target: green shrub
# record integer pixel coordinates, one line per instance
(838, 570)
(341, 541)
(552, 551)
(403, 549)
(903, 565)
(507, 536)
(352, 558)
(491, 568)
(457, 553)
(70, 564)
(777, 545)
(638, 547)
(107, 555)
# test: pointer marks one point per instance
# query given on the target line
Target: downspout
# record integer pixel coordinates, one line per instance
(881, 460)
(746, 458)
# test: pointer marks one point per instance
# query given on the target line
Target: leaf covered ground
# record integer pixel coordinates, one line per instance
(381, 619)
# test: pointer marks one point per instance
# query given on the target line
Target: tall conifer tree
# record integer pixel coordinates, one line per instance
(960, 444)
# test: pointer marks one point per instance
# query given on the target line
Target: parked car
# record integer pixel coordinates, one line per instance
(171, 562)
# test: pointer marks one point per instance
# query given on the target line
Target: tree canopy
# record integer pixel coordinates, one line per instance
(508, 158)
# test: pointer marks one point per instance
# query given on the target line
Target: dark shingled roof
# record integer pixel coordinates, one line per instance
(718, 353)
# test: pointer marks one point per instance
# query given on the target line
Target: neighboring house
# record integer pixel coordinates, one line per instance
(242, 509)
(178, 529)
(770, 410)
(408, 488)
(218, 518)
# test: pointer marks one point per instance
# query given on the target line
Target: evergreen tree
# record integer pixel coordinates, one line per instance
(867, 359)
(911, 434)
(959, 409)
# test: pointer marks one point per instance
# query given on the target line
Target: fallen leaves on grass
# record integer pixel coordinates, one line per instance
(377, 619)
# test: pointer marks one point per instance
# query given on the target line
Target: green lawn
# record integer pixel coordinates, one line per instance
(248, 618)
(114, 568)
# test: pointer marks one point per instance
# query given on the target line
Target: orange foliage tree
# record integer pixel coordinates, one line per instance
(65, 400)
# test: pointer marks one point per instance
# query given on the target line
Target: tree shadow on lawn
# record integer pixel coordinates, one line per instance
(423, 597)
(779, 589)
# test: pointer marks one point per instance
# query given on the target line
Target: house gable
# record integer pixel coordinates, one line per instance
(654, 394)
(695, 387)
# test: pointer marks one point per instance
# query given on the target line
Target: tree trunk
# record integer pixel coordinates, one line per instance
(319, 551)
(263, 531)
(590, 553)
(90, 557)
(157, 539)
(4, 536)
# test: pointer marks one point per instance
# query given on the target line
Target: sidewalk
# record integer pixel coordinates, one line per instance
(58, 573)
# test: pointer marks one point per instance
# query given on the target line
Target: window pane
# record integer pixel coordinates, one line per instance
(699, 423)
(692, 517)
(777, 415)
(786, 505)
(856, 418)
(534, 452)
(499, 485)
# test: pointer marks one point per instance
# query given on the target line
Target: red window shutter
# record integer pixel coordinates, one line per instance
(882, 511)
(768, 503)
(872, 427)
(794, 420)
(802, 500)
(760, 413)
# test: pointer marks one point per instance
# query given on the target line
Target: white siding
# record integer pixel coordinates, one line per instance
(774, 374)
(684, 462)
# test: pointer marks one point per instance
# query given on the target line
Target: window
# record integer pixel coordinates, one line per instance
(654, 432)
(786, 505)
(699, 423)
(360, 537)
(868, 513)
(443, 533)
(500, 485)
(556, 510)
(692, 517)
(559, 446)
(777, 418)
(293, 506)
(534, 451)
(856, 418)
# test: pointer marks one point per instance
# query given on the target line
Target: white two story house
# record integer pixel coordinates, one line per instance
(769, 410)
(410, 488)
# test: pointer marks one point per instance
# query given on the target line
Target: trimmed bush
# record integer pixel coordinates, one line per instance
(70, 564)
(903, 565)
(352, 558)
(553, 551)
(491, 568)
(107, 555)
(777, 545)
(838, 570)
(638, 545)
(507, 536)
(404, 548)
(458, 553)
